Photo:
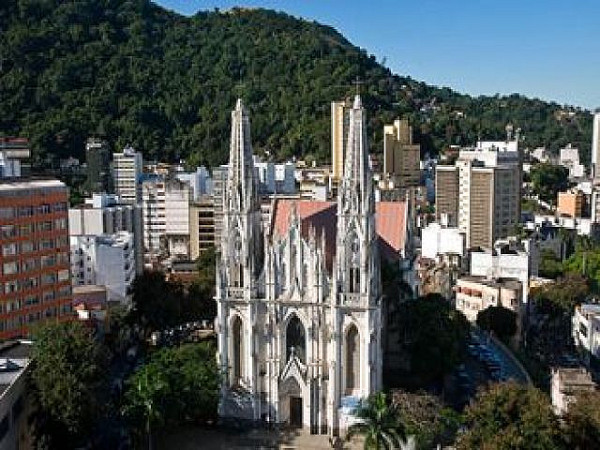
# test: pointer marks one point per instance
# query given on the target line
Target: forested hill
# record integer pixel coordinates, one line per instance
(136, 73)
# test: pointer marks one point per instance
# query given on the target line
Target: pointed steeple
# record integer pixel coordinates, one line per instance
(356, 189)
(241, 183)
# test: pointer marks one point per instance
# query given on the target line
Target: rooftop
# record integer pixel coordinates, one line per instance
(574, 378)
(7, 185)
(510, 283)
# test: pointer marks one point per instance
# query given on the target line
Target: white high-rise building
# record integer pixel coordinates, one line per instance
(299, 305)
(177, 217)
(154, 215)
(107, 260)
(127, 172)
(596, 146)
(105, 214)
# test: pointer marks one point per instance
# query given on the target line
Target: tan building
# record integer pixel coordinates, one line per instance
(446, 195)
(474, 294)
(339, 131)
(202, 226)
(481, 193)
(401, 158)
(571, 203)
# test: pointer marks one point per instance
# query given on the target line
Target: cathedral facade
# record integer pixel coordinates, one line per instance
(299, 304)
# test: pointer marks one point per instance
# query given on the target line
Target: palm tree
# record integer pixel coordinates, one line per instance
(379, 423)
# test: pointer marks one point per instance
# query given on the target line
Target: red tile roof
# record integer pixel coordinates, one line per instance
(390, 220)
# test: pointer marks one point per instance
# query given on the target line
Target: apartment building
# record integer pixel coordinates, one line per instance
(97, 158)
(482, 191)
(202, 226)
(127, 170)
(107, 260)
(474, 294)
(401, 157)
(34, 239)
(105, 214)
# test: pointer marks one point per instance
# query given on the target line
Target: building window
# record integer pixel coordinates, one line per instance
(27, 247)
(8, 231)
(295, 339)
(7, 213)
(10, 268)
(352, 359)
(237, 351)
(9, 249)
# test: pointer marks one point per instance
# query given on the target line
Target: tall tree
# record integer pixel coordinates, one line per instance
(582, 422)
(510, 416)
(548, 180)
(176, 386)
(432, 340)
(68, 383)
(378, 423)
(502, 321)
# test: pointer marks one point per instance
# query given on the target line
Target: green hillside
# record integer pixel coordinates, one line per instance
(136, 73)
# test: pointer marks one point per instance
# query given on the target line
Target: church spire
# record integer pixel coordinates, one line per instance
(241, 183)
(356, 189)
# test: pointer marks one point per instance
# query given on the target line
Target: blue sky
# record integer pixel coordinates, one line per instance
(541, 48)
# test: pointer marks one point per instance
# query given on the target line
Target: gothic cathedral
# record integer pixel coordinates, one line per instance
(299, 301)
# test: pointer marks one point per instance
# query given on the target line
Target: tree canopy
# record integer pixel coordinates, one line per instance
(133, 72)
(582, 421)
(68, 382)
(548, 180)
(510, 416)
(433, 338)
(176, 386)
(502, 321)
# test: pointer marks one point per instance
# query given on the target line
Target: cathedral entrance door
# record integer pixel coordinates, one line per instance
(296, 412)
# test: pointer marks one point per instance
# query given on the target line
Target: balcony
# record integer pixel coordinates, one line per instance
(353, 299)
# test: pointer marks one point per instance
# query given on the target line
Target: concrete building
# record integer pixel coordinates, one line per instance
(127, 170)
(97, 158)
(154, 216)
(483, 193)
(202, 226)
(474, 294)
(34, 239)
(571, 203)
(106, 260)
(177, 218)
(219, 175)
(510, 258)
(105, 214)
(339, 132)
(446, 194)
(438, 240)
(569, 158)
(13, 153)
(275, 178)
(586, 328)
(15, 431)
(566, 384)
(596, 146)
(199, 181)
(401, 158)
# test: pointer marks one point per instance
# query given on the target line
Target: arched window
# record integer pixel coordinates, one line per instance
(295, 339)
(237, 351)
(352, 359)
(353, 263)
(238, 268)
